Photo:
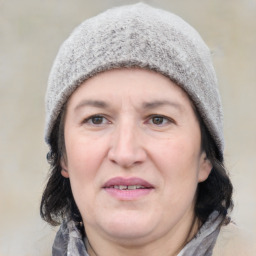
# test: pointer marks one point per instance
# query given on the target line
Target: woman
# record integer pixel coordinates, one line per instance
(134, 125)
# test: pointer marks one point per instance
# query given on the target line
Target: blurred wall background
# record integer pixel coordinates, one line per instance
(31, 32)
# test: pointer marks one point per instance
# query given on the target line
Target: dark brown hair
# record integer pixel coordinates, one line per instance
(58, 203)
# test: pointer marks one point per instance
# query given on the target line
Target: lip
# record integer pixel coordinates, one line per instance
(127, 195)
(127, 182)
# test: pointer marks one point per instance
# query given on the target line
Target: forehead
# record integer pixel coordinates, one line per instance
(134, 84)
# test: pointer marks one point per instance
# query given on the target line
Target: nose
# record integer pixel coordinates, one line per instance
(127, 147)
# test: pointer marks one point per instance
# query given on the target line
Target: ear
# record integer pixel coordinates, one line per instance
(204, 168)
(64, 171)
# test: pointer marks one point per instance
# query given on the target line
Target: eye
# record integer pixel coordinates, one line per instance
(159, 120)
(96, 120)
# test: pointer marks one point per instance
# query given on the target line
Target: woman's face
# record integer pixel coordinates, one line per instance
(133, 156)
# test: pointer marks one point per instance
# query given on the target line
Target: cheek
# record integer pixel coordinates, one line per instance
(177, 153)
(83, 161)
(178, 162)
(82, 151)
(83, 164)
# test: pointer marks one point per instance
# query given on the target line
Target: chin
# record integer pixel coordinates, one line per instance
(132, 236)
(129, 228)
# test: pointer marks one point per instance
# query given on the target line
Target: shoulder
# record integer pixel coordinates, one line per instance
(233, 241)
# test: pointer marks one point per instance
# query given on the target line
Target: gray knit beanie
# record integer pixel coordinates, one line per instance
(137, 36)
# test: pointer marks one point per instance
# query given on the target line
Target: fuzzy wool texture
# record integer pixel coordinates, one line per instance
(137, 36)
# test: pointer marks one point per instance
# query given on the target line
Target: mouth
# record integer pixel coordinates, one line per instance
(127, 188)
(131, 187)
(131, 183)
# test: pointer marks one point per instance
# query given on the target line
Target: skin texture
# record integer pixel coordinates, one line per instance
(134, 123)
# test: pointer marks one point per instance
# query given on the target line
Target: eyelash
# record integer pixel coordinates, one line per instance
(91, 120)
(164, 118)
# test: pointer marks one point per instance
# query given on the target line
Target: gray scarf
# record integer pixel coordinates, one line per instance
(69, 241)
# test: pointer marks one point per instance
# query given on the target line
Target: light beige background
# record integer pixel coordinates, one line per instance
(30, 34)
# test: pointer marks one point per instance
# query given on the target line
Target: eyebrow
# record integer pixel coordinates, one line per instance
(92, 103)
(145, 105)
(160, 103)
